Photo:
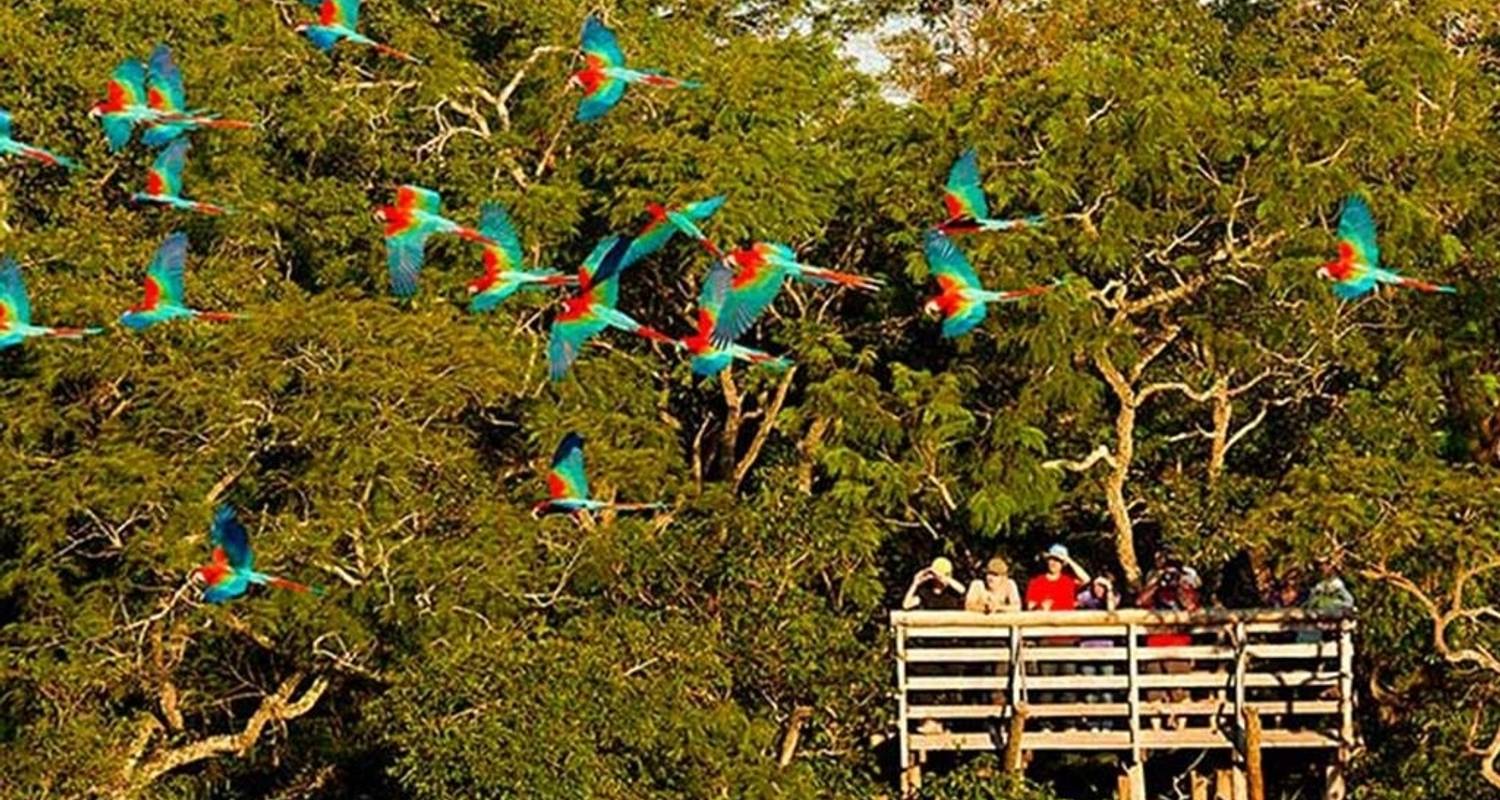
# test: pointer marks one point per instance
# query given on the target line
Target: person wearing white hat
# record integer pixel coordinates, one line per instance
(934, 588)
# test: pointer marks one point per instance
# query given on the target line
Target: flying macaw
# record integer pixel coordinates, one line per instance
(233, 567)
(665, 221)
(11, 147)
(962, 300)
(709, 356)
(589, 312)
(126, 105)
(164, 182)
(760, 271)
(164, 94)
(163, 290)
(337, 21)
(15, 311)
(416, 215)
(1357, 270)
(568, 485)
(503, 275)
(604, 76)
(964, 198)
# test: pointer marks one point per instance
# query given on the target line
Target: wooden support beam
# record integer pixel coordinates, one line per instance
(1254, 775)
(1131, 783)
(1013, 749)
(1223, 784)
(1198, 785)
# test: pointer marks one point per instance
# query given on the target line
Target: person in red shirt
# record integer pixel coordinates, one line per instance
(1056, 590)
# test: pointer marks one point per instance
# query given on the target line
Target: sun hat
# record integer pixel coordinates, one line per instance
(996, 566)
(1056, 551)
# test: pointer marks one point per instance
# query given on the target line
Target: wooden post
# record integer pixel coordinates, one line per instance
(1131, 784)
(1198, 785)
(1013, 741)
(1223, 784)
(1253, 773)
(1333, 788)
(911, 771)
(1133, 692)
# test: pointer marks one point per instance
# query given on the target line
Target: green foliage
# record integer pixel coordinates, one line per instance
(389, 451)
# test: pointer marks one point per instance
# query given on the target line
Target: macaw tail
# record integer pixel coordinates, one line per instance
(666, 82)
(471, 235)
(385, 49)
(560, 280)
(47, 157)
(637, 506)
(648, 332)
(852, 281)
(1033, 291)
(207, 208)
(218, 316)
(73, 333)
(1424, 286)
(283, 583)
(229, 124)
(778, 363)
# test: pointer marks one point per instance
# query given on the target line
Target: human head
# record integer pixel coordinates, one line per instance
(1325, 567)
(1101, 586)
(996, 570)
(1057, 558)
(942, 567)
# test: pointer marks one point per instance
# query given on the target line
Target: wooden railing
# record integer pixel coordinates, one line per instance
(1092, 680)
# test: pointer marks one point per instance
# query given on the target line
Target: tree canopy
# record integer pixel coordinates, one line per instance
(1192, 384)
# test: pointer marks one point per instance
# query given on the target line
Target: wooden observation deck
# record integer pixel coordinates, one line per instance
(1021, 682)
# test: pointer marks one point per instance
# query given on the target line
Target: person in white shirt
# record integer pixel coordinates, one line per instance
(997, 591)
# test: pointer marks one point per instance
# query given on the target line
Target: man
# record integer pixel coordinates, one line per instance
(1171, 587)
(935, 588)
(1055, 590)
(996, 592)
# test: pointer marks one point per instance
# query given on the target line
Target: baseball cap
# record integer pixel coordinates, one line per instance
(943, 567)
(997, 566)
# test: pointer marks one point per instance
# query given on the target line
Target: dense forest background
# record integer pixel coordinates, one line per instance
(1193, 386)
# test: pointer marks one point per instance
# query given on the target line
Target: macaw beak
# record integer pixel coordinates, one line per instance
(94, 112)
(473, 289)
(575, 82)
(536, 511)
(301, 28)
(931, 309)
(1325, 274)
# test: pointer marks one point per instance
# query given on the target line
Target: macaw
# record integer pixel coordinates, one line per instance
(416, 215)
(964, 198)
(337, 21)
(163, 290)
(568, 485)
(15, 311)
(11, 147)
(164, 182)
(962, 300)
(1357, 270)
(604, 76)
(666, 221)
(760, 271)
(233, 567)
(709, 356)
(126, 105)
(503, 275)
(164, 94)
(589, 312)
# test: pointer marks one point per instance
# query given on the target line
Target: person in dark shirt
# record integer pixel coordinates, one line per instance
(935, 589)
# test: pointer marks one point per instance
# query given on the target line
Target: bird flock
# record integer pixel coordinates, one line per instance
(740, 285)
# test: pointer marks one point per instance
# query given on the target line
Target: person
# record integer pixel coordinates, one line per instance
(1166, 560)
(935, 589)
(1172, 587)
(1055, 590)
(1327, 595)
(997, 591)
(1099, 595)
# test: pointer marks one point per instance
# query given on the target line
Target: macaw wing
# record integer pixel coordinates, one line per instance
(701, 210)
(1357, 232)
(715, 291)
(164, 276)
(963, 195)
(1360, 281)
(230, 586)
(227, 533)
(15, 307)
(567, 339)
(4, 124)
(751, 291)
(404, 256)
(127, 84)
(567, 479)
(165, 175)
(495, 223)
(606, 261)
(606, 95)
(117, 130)
(164, 88)
(344, 12)
(599, 42)
(965, 318)
(947, 262)
(420, 199)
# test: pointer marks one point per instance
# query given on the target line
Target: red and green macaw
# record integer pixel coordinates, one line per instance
(164, 182)
(11, 147)
(416, 215)
(968, 211)
(126, 105)
(568, 485)
(15, 311)
(588, 313)
(710, 357)
(961, 300)
(232, 570)
(665, 221)
(604, 76)
(503, 275)
(1358, 270)
(338, 21)
(760, 271)
(163, 299)
(164, 94)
